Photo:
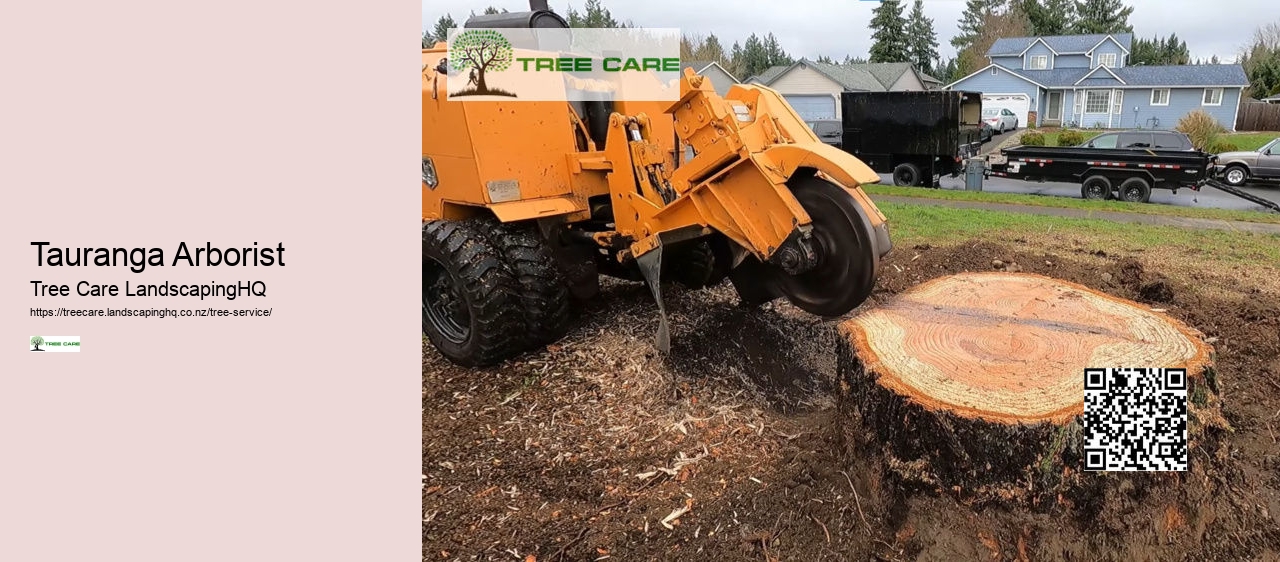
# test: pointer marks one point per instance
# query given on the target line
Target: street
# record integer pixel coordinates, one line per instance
(1207, 197)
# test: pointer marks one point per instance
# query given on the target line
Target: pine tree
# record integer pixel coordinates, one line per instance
(594, 15)
(825, 59)
(1049, 17)
(850, 59)
(736, 66)
(441, 29)
(710, 50)
(755, 58)
(972, 21)
(889, 33)
(922, 39)
(776, 55)
(1103, 16)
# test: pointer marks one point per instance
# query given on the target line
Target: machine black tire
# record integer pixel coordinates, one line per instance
(1095, 187)
(544, 291)
(470, 299)
(695, 265)
(848, 263)
(906, 174)
(1239, 172)
(1135, 190)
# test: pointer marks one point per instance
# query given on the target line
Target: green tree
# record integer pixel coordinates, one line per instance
(1010, 23)
(438, 32)
(947, 71)
(1103, 16)
(37, 341)
(922, 40)
(711, 50)
(825, 59)
(973, 20)
(480, 50)
(850, 59)
(736, 67)
(755, 58)
(1049, 17)
(1159, 51)
(1261, 61)
(889, 33)
(777, 56)
(594, 15)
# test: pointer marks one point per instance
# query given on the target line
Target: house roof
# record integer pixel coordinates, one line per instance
(700, 65)
(769, 74)
(1060, 44)
(1226, 75)
(872, 77)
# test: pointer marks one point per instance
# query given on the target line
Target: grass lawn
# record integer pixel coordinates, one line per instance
(912, 224)
(1065, 202)
(1249, 141)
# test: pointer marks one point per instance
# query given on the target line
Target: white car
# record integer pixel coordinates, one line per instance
(1000, 119)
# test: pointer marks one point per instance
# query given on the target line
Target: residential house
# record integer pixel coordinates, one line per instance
(720, 78)
(813, 88)
(1271, 99)
(1087, 81)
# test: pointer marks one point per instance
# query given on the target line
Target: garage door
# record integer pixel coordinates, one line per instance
(1019, 104)
(813, 106)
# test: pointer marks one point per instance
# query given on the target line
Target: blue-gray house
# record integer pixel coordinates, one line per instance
(1086, 81)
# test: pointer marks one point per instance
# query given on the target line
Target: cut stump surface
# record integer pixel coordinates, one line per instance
(978, 378)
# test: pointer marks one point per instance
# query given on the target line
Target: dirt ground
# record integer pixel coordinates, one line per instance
(730, 448)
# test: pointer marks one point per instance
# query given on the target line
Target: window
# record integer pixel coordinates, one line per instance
(1135, 140)
(1212, 96)
(1097, 101)
(1160, 97)
(1118, 105)
(1171, 141)
(994, 71)
(1104, 141)
(1039, 62)
(1107, 60)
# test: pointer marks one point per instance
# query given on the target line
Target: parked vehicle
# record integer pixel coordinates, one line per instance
(828, 130)
(917, 136)
(987, 132)
(1106, 173)
(1000, 119)
(1156, 140)
(1237, 168)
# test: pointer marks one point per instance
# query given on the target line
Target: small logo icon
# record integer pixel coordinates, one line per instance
(480, 51)
(54, 344)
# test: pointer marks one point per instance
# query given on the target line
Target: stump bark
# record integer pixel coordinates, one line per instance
(975, 382)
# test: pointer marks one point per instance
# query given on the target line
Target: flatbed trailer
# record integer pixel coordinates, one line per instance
(1105, 173)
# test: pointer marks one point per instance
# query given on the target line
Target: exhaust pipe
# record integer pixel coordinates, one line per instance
(538, 6)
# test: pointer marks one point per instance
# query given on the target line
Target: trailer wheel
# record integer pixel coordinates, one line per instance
(544, 291)
(470, 300)
(906, 174)
(1135, 190)
(1096, 187)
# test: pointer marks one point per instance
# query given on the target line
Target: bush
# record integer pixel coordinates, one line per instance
(1070, 138)
(1033, 139)
(1221, 146)
(1202, 128)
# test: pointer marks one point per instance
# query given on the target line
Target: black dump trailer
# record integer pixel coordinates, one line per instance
(1106, 173)
(917, 136)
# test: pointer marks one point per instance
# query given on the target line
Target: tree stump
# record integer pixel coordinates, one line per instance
(975, 382)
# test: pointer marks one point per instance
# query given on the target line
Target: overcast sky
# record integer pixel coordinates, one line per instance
(809, 28)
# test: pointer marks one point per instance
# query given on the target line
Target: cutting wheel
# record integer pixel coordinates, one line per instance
(848, 263)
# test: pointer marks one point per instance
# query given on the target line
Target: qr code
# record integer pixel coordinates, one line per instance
(1135, 419)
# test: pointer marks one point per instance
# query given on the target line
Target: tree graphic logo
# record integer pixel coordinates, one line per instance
(36, 342)
(479, 51)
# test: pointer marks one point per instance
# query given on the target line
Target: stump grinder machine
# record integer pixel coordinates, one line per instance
(526, 203)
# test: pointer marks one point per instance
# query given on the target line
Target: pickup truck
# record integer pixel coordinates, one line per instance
(1128, 174)
(1237, 168)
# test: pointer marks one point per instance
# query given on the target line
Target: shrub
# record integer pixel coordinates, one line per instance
(1033, 139)
(1070, 138)
(1201, 127)
(1218, 147)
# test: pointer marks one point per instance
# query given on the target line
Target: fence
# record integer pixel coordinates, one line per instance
(1258, 116)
